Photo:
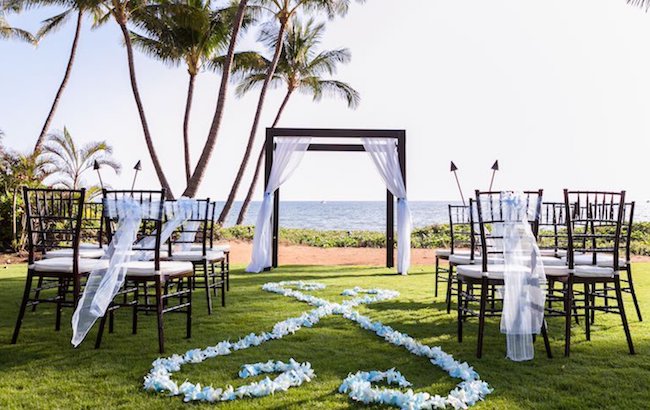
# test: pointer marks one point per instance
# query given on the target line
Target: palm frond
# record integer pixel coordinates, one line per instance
(644, 4)
(245, 62)
(53, 23)
(9, 32)
(254, 80)
(332, 88)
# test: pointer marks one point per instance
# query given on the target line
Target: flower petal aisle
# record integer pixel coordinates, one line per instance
(358, 386)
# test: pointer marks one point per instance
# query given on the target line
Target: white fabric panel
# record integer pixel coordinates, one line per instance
(286, 157)
(383, 152)
(524, 284)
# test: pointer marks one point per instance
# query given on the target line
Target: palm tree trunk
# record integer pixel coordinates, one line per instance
(204, 159)
(256, 121)
(143, 118)
(258, 166)
(186, 124)
(64, 83)
(14, 226)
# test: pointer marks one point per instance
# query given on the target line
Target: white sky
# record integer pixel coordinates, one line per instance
(557, 90)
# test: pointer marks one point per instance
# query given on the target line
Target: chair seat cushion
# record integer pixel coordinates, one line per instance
(195, 256)
(88, 245)
(602, 259)
(552, 252)
(167, 268)
(447, 252)
(556, 270)
(591, 271)
(476, 271)
(552, 261)
(467, 259)
(221, 247)
(86, 253)
(64, 265)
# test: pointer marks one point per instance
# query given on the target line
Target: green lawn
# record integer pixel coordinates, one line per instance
(44, 371)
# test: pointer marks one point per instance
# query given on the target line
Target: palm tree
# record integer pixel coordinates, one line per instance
(69, 162)
(300, 68)
(189, 32)
(20, 171)
(12, 33)
(73, 7)
(122, 12)
(211, 140)
(283, 12)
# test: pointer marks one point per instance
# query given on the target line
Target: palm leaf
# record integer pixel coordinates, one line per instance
(53, 23)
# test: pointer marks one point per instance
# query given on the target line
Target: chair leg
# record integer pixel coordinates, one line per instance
(37, 292)
(227, 271)
(134, 321)
(587, 312)
(159, 314)
(460, 311)
(111, 321)
(547, 344)
(621, 309)
(435, 293)
(568, 305)
(206, 278)
(450, 281)
(633, 292)
(23, 306)
(223, 287)
(481, 317)
(60, 296)
(188, 325)
(100, 332)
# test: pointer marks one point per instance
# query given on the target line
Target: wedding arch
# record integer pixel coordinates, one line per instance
(285, 148)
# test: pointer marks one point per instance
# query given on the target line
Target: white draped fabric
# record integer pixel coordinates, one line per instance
(383, 152)
(525, 281)
(286, 157)
(103, 284)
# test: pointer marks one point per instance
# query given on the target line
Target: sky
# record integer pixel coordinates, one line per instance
(558, 91)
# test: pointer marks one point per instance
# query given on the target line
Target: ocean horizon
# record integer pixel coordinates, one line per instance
(361, 215)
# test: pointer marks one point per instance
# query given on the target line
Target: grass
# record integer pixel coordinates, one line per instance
(44, 371)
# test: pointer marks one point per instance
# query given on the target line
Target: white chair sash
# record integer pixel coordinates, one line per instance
(524, 280)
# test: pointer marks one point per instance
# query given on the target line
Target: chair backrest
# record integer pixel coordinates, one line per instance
(628, 224)
(552, 233)
(211, 223)
(152, 203)
(460, 227)
(53, 219)
(490, 213)
(596, 225)
(92, 226)
(195, 230)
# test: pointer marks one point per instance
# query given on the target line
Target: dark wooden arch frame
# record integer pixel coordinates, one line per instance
(398, 135)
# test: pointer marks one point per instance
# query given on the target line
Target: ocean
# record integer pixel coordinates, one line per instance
(363, 215)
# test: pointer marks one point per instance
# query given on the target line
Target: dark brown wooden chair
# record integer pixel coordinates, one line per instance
(53, 222)
(487, 276)
(169, 281)
(597, 242)
(217, 247)
(207, 275)
(461, 244)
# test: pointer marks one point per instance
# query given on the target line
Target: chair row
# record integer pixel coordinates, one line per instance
(170, 254)
(584, 246)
